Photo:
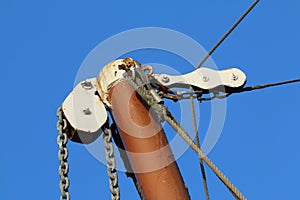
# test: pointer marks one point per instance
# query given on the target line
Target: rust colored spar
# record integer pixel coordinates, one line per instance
(147, 147)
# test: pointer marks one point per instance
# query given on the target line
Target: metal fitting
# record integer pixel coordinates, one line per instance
(165, 79)
(205, 79)
(87, 111)
(111, 75)
(87, 85)
(234, 77)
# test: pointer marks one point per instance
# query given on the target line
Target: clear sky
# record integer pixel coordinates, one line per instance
(43, 44)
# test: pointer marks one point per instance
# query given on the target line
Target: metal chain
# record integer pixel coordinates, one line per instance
(63, 169)
(111, 164)
(164, 113)
(176, 95)
(117, 139)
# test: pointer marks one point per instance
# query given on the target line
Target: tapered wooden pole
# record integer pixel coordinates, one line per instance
(147, 147)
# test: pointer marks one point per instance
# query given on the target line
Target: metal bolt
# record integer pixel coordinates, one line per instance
(205, 79)
(165, 79)
(87, 111)
(87, 85)
(234, 77)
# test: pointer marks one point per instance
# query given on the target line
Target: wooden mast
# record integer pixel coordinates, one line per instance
(144, 140)
(147, 147)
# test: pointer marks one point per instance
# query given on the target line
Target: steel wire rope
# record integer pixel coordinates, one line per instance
(227, 34)
(164, 113)
(204, 179)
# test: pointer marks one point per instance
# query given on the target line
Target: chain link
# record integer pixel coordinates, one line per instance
(178, 95)
(111, 164)
(124, 157)
(63, 153)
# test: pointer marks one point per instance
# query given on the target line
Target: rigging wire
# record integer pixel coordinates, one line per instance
(165, 114)
(227, 34)
(258, 87)
(204, 180)
(216, 95)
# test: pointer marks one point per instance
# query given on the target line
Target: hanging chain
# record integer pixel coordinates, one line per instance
(63, 169)
(118, 141)
(165, 114)
(111, 164)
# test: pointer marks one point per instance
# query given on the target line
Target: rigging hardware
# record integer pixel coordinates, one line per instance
(205, 79)
(62, 140)
(156, 90)
(143, 137)
(111, 162)
(165, 114)
(85, 112)
(151, 87)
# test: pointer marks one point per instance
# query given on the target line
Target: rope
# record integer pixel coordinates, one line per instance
(227, 34)
(204, 180)
(164, 113)
(171, 120)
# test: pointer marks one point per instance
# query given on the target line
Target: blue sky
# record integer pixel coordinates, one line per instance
(44, 43)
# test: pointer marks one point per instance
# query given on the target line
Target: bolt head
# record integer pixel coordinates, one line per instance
(234, 77)
(205, 79)
(87, 85)
(86, 111)
(165, 79)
